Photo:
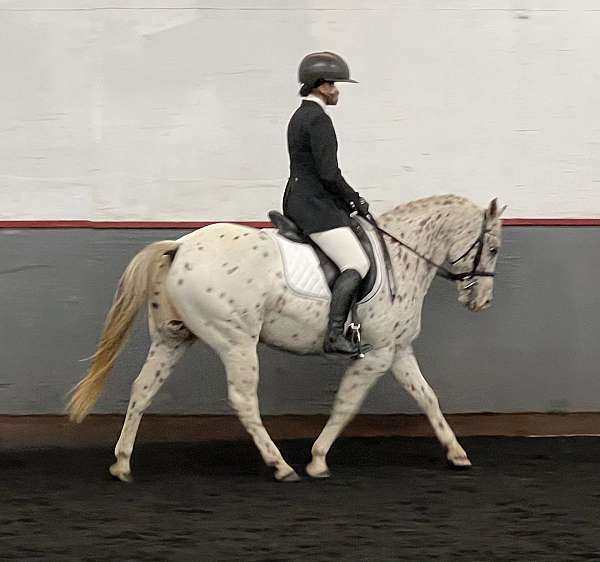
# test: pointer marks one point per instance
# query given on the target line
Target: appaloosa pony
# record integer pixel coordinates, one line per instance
(225, 284)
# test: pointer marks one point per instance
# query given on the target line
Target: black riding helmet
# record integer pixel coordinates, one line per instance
(317, 68)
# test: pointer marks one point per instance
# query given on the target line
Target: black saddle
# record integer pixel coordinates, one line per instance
(288, 229)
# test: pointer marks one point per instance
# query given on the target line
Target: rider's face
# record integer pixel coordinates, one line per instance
(330, 93)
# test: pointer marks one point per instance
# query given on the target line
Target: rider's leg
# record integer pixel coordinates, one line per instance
(343, 247)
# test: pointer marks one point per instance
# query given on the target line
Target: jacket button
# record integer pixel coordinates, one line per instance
(295, 179)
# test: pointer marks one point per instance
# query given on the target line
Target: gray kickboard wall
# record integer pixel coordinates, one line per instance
(537, 349)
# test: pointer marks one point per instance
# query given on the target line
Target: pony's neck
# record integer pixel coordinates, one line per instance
(430, 226)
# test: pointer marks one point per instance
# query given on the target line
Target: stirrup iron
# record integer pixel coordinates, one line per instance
(353, 334)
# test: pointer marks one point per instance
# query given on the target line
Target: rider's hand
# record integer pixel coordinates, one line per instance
(363, 207)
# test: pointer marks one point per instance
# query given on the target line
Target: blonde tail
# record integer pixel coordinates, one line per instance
(131, 294)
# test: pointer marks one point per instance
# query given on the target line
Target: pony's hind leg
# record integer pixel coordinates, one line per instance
(222, 303)
(168, 346)
(353, 389)
(241, 366)
(236, 346)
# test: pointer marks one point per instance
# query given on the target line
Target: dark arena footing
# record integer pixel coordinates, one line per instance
(389, 498)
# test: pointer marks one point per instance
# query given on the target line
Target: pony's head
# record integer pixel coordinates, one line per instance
(473, 254)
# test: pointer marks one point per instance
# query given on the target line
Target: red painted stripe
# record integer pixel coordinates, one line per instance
(551, 222)
(184, 225)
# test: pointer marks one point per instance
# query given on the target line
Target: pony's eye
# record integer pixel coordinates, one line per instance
(493, 251)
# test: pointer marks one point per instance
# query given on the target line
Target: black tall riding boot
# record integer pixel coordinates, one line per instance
(342, 297)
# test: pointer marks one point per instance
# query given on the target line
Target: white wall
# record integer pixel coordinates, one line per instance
(176, 109)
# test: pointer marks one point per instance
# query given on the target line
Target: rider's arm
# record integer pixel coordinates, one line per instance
(324, 146)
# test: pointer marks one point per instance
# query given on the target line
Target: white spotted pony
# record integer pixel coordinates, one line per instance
(225, 284)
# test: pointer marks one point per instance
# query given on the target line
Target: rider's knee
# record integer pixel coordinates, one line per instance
(360, 264)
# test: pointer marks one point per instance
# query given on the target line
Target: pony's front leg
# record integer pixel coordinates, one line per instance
(355, 384)
(408, 374)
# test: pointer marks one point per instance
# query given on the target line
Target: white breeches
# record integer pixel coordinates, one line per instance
(343, 247)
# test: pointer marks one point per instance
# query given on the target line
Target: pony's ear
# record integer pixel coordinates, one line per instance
(493, 212)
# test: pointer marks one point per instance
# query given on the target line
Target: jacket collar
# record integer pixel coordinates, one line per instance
(315, 99)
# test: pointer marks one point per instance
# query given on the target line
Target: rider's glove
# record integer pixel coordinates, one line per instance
(363, 207)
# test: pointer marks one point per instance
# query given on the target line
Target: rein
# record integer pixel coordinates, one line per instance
(443, 271)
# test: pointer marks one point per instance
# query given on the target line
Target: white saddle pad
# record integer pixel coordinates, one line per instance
(304, 275)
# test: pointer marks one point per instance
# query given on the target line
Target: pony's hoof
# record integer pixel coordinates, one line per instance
(460, 463)
(320, 475)
(317, 473)
(118, 474)
(288, 477)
